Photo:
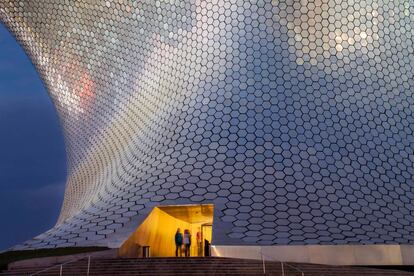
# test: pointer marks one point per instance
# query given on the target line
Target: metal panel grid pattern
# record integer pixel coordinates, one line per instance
(295, 118)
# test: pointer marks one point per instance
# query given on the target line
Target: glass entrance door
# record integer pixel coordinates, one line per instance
(207, 233)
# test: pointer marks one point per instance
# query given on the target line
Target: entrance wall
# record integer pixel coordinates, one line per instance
(374, 254)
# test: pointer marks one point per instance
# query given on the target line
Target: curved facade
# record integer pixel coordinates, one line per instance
(294, 118)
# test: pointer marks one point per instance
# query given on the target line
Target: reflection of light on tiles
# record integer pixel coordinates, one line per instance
(321, 29)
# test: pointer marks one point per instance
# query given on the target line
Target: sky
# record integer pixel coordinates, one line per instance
(32, 153)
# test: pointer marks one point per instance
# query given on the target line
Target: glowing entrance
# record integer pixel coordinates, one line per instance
(159, 228)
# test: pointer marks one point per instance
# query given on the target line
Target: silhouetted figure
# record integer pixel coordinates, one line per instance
(178, 242)
(187, 242)
(207, 251)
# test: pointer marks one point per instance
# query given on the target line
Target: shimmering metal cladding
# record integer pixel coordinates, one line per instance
(295, 118)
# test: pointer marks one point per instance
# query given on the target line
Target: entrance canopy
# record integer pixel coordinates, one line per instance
(190, 213)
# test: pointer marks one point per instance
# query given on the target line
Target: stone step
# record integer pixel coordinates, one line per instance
(199, 267)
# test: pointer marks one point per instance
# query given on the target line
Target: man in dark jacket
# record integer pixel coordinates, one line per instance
(178, 242)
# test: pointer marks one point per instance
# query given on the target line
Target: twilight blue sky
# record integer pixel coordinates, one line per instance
(32, 154)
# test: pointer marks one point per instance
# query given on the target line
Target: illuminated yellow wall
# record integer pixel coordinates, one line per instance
(158, 231)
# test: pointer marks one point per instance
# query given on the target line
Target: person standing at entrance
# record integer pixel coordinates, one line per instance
(178, 242)
(187, 242)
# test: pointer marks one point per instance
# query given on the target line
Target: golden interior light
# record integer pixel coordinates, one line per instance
(159, 228)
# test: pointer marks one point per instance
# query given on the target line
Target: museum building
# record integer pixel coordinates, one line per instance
(283, 127)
